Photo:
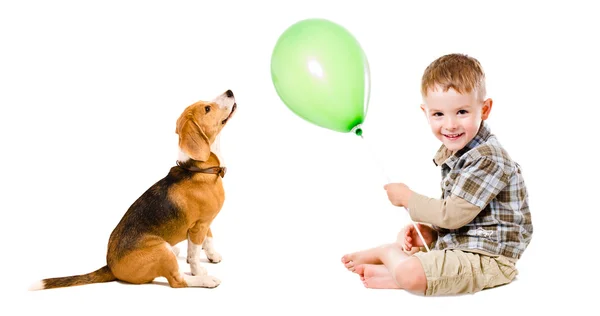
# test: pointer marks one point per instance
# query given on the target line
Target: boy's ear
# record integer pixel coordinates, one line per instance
(425, 112)
(487, 108)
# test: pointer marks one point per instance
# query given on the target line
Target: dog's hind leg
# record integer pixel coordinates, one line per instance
(155, 258)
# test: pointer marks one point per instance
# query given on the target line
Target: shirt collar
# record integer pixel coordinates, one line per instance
(445, 156)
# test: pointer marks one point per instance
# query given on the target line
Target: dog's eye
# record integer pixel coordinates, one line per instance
(207, 108)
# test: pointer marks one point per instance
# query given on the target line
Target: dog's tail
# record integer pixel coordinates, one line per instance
(101, 275)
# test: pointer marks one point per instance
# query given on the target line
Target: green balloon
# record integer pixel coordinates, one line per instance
(321, 73)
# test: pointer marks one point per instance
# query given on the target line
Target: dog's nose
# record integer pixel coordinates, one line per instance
(229, 93)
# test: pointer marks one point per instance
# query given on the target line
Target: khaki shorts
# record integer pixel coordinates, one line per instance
(453, 271)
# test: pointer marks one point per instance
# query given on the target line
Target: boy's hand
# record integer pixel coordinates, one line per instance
(409, 238)
(398, 193)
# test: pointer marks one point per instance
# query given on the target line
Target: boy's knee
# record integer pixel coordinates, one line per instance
(409, 275)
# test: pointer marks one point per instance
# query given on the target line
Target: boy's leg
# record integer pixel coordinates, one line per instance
(396, 269)
(452, 271)
(437, 272)
(407, 272)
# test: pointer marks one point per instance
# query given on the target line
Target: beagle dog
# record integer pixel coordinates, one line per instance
(180, 206)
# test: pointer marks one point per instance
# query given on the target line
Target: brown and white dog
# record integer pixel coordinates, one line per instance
(180, 206)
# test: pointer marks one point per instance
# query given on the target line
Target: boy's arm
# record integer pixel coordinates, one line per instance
(479, 182)
(450, 213)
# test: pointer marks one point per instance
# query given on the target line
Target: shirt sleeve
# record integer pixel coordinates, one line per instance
(480, 182)
(451, 213)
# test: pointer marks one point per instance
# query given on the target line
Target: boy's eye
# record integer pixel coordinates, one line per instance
(462, 112)
(438, 114)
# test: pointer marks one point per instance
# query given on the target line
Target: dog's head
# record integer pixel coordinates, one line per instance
(201, 122)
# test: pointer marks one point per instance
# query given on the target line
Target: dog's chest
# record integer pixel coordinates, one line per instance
(199, 200)
(211, 199)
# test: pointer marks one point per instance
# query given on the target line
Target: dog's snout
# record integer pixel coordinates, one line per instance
(229, 93)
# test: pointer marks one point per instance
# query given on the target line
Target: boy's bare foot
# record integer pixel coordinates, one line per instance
(352, 260)
(369, 256)
(376, 276)
(381, 282)
(367, 271)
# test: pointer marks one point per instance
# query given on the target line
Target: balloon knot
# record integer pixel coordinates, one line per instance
(357, 130)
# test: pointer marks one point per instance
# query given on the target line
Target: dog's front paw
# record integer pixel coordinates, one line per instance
(214, 257)
(206, 281)
(210, 281)
(198, 270)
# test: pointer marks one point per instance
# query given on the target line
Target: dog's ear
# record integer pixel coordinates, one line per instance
(192, 139)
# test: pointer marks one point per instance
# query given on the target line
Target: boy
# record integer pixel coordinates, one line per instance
(481, 226)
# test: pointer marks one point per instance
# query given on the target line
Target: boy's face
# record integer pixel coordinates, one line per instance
(455, 118)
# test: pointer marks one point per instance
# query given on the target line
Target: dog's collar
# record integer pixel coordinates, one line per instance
(212, 170)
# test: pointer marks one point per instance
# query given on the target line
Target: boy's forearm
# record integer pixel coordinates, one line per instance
(450, 213)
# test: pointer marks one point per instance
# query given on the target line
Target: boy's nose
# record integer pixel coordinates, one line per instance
(450, 124)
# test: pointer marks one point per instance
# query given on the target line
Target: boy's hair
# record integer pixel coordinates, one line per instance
(457, 71)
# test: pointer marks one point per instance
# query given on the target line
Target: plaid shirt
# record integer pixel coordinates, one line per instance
(483, 174)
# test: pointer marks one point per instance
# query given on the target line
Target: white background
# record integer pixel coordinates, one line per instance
(90, 93)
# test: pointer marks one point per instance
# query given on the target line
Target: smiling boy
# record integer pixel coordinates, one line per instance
(481, 226)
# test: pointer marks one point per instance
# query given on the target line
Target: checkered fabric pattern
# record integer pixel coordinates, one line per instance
(483, 174)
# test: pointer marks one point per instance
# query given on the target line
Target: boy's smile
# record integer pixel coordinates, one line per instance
(454, 118)
(453, 137)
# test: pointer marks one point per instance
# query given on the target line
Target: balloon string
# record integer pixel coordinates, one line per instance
(387, 180)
